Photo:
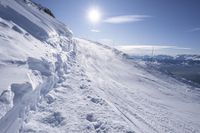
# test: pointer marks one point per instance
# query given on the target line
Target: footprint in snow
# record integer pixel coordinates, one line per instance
(90, 117)
(96, 100)
(50, 98)
(98, 125)
(55, 119)
(83, 86)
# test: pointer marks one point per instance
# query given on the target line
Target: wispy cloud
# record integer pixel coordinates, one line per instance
(125, 19)
(152, 46)
(195, 29)
(158, 49)
(95, 30)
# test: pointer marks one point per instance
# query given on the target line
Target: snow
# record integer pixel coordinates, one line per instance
(35, 22)
(52, 82)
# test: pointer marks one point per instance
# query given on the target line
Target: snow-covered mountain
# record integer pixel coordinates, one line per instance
(53, 82)
(168, 59)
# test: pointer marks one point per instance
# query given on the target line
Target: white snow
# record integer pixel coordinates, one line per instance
(51, 82)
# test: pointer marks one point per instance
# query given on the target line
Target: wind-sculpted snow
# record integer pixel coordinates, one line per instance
(51, 82)
(145, 98)
(32, 20)
(103, 92)
(34, 56)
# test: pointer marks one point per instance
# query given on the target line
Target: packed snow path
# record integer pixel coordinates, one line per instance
(105, 93)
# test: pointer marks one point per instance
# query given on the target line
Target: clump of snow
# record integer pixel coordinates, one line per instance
(54, 119)
(43, 66)
(6, 97)
(20, 90)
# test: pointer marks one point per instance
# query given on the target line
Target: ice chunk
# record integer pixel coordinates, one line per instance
(20, 90)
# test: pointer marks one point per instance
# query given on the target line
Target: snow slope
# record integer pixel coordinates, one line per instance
(51, 82)
(106, 93)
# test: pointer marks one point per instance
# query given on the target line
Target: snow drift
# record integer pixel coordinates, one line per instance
(34, 53)
(52, 82)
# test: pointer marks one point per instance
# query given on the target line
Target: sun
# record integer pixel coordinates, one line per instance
(94, 15)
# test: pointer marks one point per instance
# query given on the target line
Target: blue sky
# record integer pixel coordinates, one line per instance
(139, 22)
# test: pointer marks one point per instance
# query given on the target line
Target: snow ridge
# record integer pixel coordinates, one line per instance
(33, 63)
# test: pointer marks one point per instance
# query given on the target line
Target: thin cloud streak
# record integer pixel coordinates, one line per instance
(158, 50)
(95, 30)
(126, 19)
(152, 46)
(195, 29)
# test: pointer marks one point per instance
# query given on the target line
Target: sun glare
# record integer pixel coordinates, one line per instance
(94, 15)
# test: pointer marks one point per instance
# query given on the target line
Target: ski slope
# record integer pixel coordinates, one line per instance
(53, 82)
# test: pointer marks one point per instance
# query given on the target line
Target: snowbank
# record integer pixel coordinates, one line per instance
(34, 56)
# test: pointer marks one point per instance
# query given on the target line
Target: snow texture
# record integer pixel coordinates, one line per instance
(51, 82)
